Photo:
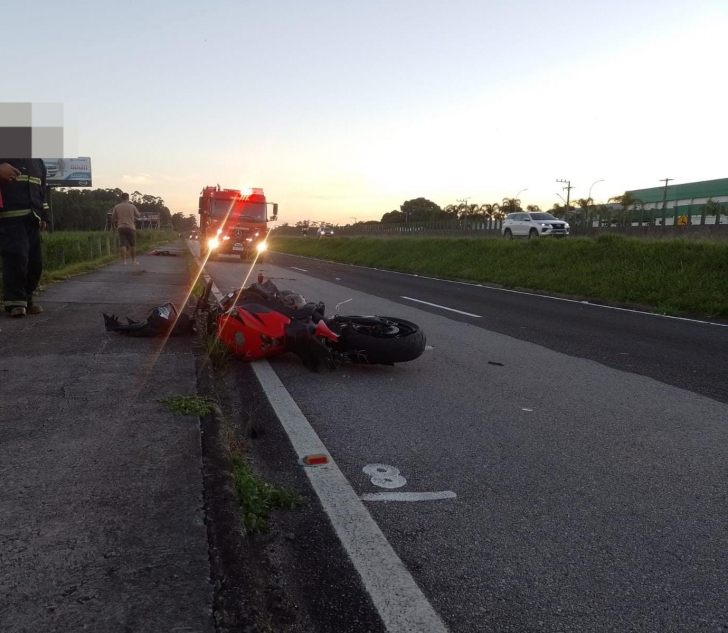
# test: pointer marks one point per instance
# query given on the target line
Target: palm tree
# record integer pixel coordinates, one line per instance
(486, 210)
(498, 212)
(510, 205)
(626, 200)
(584, 204)
(533, 208)
(452, 210)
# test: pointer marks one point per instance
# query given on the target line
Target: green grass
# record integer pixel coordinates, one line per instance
(65, 248)
(68, 253)
(217, 352)
(257, 498)
(670, 276)
(190, 405)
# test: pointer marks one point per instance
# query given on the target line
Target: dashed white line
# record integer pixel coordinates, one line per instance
(435, 305)
(303, 270)
(408, 496)
(518, 292)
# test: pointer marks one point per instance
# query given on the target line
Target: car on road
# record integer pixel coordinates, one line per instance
(326, 232)
(533, 224)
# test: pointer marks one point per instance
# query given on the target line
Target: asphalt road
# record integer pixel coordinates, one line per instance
(683, 353)
(589, 464)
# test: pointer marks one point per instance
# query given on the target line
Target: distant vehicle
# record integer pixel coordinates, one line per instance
(531, 225)
(326, 231)
(194, 235)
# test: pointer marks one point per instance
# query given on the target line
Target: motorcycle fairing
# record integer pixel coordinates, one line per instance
(253, 331)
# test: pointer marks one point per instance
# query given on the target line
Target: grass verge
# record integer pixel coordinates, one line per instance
(72, 253)
(257, 498)
(670, 276)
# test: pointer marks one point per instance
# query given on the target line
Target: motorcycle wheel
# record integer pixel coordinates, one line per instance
(392, 341)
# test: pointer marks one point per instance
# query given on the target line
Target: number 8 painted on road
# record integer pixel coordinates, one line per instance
(385, 476)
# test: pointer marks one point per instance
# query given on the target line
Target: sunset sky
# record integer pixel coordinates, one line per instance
(347, 109)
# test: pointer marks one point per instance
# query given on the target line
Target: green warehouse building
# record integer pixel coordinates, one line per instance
(708, 198)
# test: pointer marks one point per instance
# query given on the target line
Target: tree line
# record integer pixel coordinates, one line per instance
(87, 209)
(423, 210)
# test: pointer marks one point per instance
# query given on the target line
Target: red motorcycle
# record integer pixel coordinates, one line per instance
(261, 321)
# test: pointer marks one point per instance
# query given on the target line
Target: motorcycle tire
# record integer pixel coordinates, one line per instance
(363, 345)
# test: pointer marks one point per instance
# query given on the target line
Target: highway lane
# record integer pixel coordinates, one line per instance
(588, 497)
(686, 354)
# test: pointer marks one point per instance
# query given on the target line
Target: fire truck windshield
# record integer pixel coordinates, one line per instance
(238, 209)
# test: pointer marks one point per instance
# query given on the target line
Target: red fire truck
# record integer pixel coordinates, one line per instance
(234, 222)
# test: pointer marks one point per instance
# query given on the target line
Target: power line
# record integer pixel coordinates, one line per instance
(568, 191)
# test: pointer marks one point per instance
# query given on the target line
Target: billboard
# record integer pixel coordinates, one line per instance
(68, 172)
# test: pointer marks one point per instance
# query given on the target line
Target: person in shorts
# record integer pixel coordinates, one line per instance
(124, 217)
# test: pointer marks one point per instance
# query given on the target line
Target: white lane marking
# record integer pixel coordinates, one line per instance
(408, 496)
(385, 476)
(524, 408)
(435, 305)
(518, 292)
(395, 594)
(303, 270)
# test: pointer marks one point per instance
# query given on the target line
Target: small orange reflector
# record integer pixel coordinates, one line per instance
(315, 460)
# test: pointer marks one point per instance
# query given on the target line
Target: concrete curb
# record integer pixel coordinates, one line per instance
(232, 608)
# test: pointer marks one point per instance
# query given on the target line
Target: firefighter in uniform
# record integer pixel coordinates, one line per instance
(23, 214)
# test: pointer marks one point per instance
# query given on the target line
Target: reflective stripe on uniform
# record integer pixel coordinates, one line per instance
(15, 213)
(15, 304)
(31, 179)
(45, 205)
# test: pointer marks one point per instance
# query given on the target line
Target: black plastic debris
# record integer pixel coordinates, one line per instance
(164, 320)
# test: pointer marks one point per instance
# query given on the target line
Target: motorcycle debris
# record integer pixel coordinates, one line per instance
(165, 253)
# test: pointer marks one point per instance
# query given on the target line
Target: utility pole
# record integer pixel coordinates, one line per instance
(568, 193)
(664, 203)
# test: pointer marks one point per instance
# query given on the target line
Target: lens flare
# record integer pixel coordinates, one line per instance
(213, 242)
(262, 246)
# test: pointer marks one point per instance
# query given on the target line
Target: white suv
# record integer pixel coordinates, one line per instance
(530, 225)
